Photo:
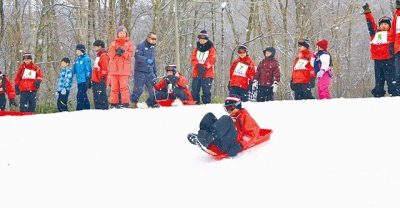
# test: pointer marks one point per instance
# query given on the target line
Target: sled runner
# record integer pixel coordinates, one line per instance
(168, 102)
(262, 137)
(14, 113)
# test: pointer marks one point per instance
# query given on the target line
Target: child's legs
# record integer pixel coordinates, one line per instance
(196, 84)
(24, 101)
(323, 87)
(224, 133)
(206, 84)
(62, 102)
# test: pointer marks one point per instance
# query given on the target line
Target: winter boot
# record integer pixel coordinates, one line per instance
(134, 105)
(192, 138)
(126, 105)
(114, 106)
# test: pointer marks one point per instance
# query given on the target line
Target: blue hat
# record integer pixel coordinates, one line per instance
(81, 47)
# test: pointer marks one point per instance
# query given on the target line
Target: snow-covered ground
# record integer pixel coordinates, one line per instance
(322, 153)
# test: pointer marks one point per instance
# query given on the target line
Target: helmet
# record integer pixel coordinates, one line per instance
(232, 102)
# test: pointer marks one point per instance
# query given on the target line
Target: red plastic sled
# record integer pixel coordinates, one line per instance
(168, 102)
(14, 113)
(264, 136)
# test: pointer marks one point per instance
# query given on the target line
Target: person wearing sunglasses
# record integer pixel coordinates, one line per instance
(230, 133)
(303, 76)
(203, 58)
(384, 63)
(145, 70)
(241, 74)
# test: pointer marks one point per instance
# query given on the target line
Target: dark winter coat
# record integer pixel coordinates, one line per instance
(144, 51)
(268, 71)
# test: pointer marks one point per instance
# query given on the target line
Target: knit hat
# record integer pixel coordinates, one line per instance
(304, 42)
(245, 48)
(233, 100)
(122, 29)
(323, 44)
(203, 35)
(270, 49)
(27, 55)
(99, 43)
(81, 48)
(386, 20)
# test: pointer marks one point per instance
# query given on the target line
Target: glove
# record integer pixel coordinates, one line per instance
(103, 80)
(37, 84)
(12, 102)
(275, 86)
(255, 85)
(149, 61)
(312, 82)
(63, 92)
(229, 86)
(153, 82)
(320, 73)
(250, 87)
(391, 48)
(291, 85)
(120, 51)
(397, 4)
(172, 79)
(366, 8)
(17, 89)
(88, 83)
(234, 150)
(202, 69)
(155, 73)
(170, 88)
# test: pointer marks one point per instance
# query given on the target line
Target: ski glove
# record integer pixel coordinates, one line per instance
(153, 82)
(37, 84)
(155, 73)
(234, 150)
(275, 86)
(291, 85)
(366, 8)
(320, 73)
(172, 79)
(120, 51)
(12, 102)
(170, 88)
(255, 85)
(202, 70)
(149, 61)
(17, 89)
(103, 80)
(391, 49)
(229, 86)
(311, 84)
(88, 83)
(63, 92)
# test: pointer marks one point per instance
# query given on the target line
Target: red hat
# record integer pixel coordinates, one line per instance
(323, 44)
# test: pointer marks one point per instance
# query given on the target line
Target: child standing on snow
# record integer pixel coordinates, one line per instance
(83, 71)
(100, 76)
(6, 87)
(228, 134)
(322, 61)
(384, 63)
(267, 76)
(64, 84)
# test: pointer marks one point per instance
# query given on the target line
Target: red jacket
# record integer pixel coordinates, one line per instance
(268, 71)
(100, 67)
(208, 63)
(121, 65)
(27, 75)
(6, 86)
(302, 68)
(394, 32)
(247, 127)
(379, 47)
(241, 72)
(182, 84)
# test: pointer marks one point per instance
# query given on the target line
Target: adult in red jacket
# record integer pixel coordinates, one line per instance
(241, 74)
(6, 87)
(203, 59)
(27, 82)
(384, 63)
(394, 42)
(228, 134)
(100, 76)
(303, 72)
(121, 51)
(174, 86)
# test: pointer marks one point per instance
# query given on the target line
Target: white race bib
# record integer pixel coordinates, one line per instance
(380, 38)
(29, 74)
(240, 70)
(301, 64)
(202, 56)
(397, 24)
(96, 62)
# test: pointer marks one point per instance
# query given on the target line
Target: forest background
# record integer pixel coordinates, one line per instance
(51, 29)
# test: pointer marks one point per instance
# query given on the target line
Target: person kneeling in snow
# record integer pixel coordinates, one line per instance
(173, 86)
(229, 134)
